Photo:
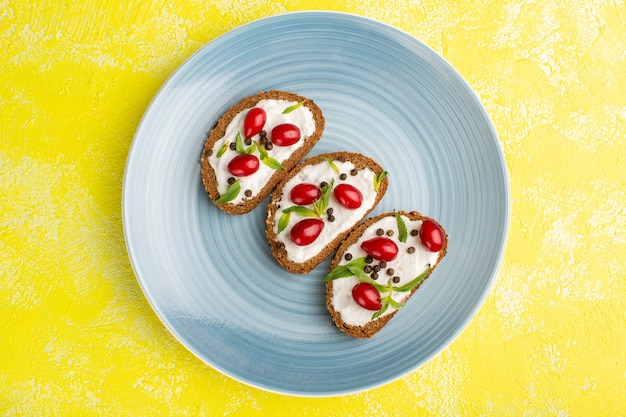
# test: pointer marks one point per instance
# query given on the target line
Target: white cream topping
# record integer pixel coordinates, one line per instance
(344, 218)
(407, 266)
(301, 117)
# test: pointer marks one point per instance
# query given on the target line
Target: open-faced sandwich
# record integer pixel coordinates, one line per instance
(318, 203)
(255, 144)
(378, 267)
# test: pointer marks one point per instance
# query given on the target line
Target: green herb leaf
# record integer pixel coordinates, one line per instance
(401, 228)
(266, 159)
(231, 193)
(393, 303)
(363, 277)
(387, 301)
(302, 211)
(340, 271)
(239, 144)
(262, 150)
(272, 163)
(283, 222)
(354, 269)
(380, 312)
(332, 164)
(417, 281)
(292, 108)
(223, 149)
(251, 149)
(359, 273)
(321, 203)
(343, 271)
(379, 179)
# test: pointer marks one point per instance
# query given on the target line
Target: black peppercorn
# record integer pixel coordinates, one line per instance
(263, 133)
(269, 146)
(376, 268)
(353, 172)
(343, 176)
(389, 232)
(414, 232)
(390, 271)
(374, 275)
(411, 249)
(231, 180)
(380, 232)
(367, 269)
(329, 210)
(396, 279)
(383, 264)
(331, 218)
(248, 193)
(368, 259)
(248, 141)
(323, 184)
(233, 146)
(348, 256)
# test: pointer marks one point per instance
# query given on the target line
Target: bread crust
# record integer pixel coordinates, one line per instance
(209, 178)
(361, 162)
(371, 328)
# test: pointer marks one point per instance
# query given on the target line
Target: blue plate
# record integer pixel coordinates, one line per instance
(211, 278)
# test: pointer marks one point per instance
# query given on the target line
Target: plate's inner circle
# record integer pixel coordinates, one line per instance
(211, 277)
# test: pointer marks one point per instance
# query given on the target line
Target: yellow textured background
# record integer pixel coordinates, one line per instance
(77, 336)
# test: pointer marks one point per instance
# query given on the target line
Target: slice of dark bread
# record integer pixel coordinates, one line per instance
(416, 263)
(339, 170)
(221, 141)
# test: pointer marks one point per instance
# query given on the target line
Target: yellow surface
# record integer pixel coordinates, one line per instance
(77, 336)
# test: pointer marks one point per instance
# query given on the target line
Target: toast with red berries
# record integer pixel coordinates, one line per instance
(312, 209)
(255, 144)
(378, 267)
